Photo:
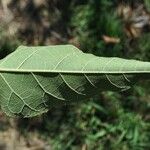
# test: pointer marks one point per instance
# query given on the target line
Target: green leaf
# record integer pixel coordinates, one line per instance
(34, 79)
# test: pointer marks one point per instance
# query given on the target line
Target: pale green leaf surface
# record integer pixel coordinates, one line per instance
(34, 79)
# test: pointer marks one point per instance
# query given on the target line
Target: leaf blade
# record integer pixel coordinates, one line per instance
(34, 79)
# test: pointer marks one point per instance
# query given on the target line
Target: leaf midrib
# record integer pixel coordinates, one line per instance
(69, 71)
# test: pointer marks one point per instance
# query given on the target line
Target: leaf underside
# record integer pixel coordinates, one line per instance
(34, 79)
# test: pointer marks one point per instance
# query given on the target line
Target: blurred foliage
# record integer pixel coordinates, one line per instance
(108, 121)
(92, 21)
(147, 3)
(7, 44)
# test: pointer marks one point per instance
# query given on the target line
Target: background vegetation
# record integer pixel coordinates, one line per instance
(115, 121)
